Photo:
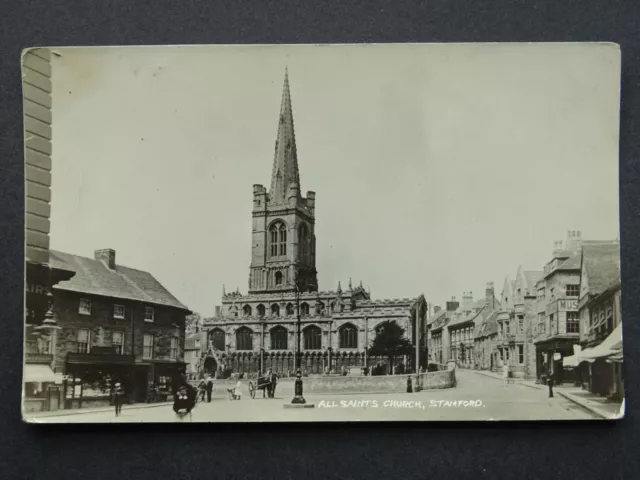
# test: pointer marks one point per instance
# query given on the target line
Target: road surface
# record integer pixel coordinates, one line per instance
(476, 397)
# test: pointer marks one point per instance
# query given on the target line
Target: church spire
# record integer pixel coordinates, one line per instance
(285, 161)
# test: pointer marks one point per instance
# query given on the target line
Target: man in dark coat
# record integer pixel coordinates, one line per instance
(209, 388)
(184, 400)
(550, 381)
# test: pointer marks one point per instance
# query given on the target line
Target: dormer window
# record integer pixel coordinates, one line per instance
(85, 306)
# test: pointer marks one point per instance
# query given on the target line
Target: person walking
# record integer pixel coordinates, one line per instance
(118, 394)
(237, 392)
(550, 381)
(209, 388)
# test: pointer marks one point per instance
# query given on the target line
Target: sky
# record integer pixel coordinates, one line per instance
(437, 168)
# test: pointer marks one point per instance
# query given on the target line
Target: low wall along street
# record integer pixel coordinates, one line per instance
(378, 384)
(334, 384)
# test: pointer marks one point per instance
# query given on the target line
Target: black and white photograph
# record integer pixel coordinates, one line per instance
(322, 233)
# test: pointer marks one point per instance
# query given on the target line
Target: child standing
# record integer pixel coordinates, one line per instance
(238, 389)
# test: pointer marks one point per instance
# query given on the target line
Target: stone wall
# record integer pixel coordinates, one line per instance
(378, 384)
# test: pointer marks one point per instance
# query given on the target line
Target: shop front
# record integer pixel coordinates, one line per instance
(549, 355)
(90, 377)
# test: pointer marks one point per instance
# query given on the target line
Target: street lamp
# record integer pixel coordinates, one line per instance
(298, 396)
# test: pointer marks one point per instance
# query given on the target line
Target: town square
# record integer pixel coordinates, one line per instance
(414, 284)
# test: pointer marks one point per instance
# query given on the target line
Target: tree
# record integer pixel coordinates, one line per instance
(390, 341)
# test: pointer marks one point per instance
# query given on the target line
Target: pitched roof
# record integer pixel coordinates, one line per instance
(95, 278)
(436, 316)
(602, 265)
(489, 326)
(572, 263)
(532, 277)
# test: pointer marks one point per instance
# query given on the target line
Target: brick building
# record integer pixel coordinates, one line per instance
(259, 330)
(116, 324)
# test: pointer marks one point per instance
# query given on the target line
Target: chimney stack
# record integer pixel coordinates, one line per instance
(436, 309)
(453, 305)
(489, 295)
(106, 256)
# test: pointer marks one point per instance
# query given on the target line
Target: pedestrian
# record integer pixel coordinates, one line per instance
(202, 390)
(118, 394)
(209, 388)
(550, 379)
(237, 392)
(184, 401)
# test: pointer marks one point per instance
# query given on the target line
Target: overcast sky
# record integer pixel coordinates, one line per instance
(437, 168)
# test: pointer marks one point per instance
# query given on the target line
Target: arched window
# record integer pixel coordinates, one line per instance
(303, 241)
(278, 239)
(290, 310)
(261, 310)
(244, 339)
(246, 310)
(274, 241)
(348, 336)
(312, 338)
(319, 308)
(279, 337)
(278, 278)
(217, 339)
(283, 240)
(304, 308)
(275, 310)
(233, 311)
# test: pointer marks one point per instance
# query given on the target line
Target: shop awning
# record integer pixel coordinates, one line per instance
(40, 374)
(606, 348)
(572, 360)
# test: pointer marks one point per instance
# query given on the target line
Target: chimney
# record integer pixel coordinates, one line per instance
(106, 256)
(453, 305)
(436, 309)
(489, 294)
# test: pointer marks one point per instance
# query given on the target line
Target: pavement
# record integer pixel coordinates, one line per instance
(476, 397)
(599, 406)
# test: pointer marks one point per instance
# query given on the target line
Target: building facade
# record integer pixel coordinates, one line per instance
(259, 330)
(463, 327)
(517, 319)
(600, 361)
(116, 324)
(42, 387)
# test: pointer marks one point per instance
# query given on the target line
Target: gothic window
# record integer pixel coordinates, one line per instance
(279, 337)
(261, 310)
(274, 241)
(312, 338)
(320, 308)
(304, 308)
(244, 339)
(303, 241)
(283, 240)
(278, 278)
(275, 310)
(246, 311)
(348, 336)
(233, 311)
(216, 337)
(290, 309)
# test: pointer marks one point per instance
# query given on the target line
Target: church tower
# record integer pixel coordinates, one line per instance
(283, 251)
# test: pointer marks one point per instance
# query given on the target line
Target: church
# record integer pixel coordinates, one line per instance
(259, 330)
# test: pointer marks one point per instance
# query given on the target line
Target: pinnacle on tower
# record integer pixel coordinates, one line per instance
(350, 287)
(285, 162)
(339, 287)
(223, 290)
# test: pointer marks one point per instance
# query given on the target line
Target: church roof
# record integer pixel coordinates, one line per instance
(285, 161)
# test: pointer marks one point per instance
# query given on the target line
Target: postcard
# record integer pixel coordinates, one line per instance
(295, 233)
